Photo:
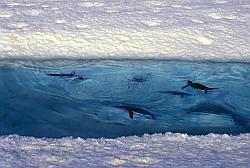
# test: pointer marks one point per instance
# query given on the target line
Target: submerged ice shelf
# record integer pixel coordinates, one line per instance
(33, 100)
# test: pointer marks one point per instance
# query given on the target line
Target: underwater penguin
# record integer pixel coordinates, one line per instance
(177, 93)
(72, 74)
(67, 75)
(215, 108)
(198, 86)
(141, 78)
(131, 110)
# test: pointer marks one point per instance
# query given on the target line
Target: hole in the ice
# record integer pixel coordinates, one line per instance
(121, 98)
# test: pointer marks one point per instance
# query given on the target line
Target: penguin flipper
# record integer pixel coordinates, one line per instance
(131, 114)
(184, 86)
(73, 73)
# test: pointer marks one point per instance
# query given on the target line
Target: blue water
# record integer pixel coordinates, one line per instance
(33, 103)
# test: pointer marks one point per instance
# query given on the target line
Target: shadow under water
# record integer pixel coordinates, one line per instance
(108, 98)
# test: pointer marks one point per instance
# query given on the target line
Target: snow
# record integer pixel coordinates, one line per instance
(188, 30)
(215, 30)
(167, 150)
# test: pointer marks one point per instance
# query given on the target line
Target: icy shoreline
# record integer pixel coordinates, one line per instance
(167, 150)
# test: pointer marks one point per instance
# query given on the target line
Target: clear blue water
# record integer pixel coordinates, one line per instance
(33, 103)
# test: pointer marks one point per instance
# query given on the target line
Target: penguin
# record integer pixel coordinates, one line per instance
(72, 74)
(131, 110)
(198, 86)
(68, 75)
(182, 94)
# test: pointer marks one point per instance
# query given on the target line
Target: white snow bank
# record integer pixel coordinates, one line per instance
(214, 30)
(169, 150)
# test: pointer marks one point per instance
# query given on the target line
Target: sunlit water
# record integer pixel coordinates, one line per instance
(33, 103)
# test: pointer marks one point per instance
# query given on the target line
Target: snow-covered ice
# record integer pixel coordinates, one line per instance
(168, 150)
(188, 30)
(193, 30)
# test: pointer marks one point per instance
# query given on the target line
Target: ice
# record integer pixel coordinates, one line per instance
(159, 150)
(181, 30)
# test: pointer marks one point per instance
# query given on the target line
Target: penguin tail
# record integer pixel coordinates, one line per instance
(213, 88)
(154, 116)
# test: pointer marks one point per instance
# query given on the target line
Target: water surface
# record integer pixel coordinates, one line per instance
(32, 103)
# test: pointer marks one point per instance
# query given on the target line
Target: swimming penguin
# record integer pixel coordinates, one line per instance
(215, 108)
(141, 78)
(72, 74)
(67, 75)
(182, 94)
(198, 86)
(131, 110)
